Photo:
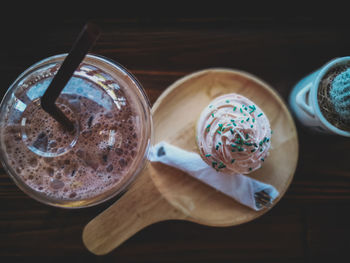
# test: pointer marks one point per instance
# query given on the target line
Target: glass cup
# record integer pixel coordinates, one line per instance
(95, 162)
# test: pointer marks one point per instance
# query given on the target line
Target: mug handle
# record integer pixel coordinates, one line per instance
(301, 100)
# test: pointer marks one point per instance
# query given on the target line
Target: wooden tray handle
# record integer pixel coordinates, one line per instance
(140, 206)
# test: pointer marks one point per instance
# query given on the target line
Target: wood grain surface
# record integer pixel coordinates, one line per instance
(311, 222)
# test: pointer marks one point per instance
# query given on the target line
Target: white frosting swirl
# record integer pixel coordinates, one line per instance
(233, 134)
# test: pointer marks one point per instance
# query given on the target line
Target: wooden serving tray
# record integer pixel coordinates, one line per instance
(162, 192)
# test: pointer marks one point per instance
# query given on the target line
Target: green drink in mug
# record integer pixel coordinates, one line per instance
(321, 100)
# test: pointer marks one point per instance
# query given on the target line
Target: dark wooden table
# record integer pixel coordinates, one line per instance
(310, 223)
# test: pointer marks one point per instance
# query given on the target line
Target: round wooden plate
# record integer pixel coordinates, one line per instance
(162, 192)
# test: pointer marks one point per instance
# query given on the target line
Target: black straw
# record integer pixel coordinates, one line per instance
(82, 45)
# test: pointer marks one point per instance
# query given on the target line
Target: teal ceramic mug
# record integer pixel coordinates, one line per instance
(304, 99)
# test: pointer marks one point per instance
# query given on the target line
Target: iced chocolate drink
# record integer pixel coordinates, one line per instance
(100, 157)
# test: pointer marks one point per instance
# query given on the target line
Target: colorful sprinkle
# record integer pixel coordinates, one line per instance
(251, 126)
(260, 114)
(212, 115)
(253, 150)
(242, 121)
(248, 143)
(253, 109)
(208, 127)
(241, 110)
(221, 165)
(247, 136)
(233, 160)
(253, 120)
(262, 159)
(234, 124)
(207, 155)
(227, 101)
(231, 131)
(234, 108)
(233, 150)
(219, 132)
(247, 119)
(240, 149)
(219, 143)
(217, 147)
(213, 164)
(233, 145)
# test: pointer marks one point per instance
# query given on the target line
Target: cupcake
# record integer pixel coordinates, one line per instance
(233, 134)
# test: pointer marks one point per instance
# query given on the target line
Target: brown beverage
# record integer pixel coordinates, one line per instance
(98, 159)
